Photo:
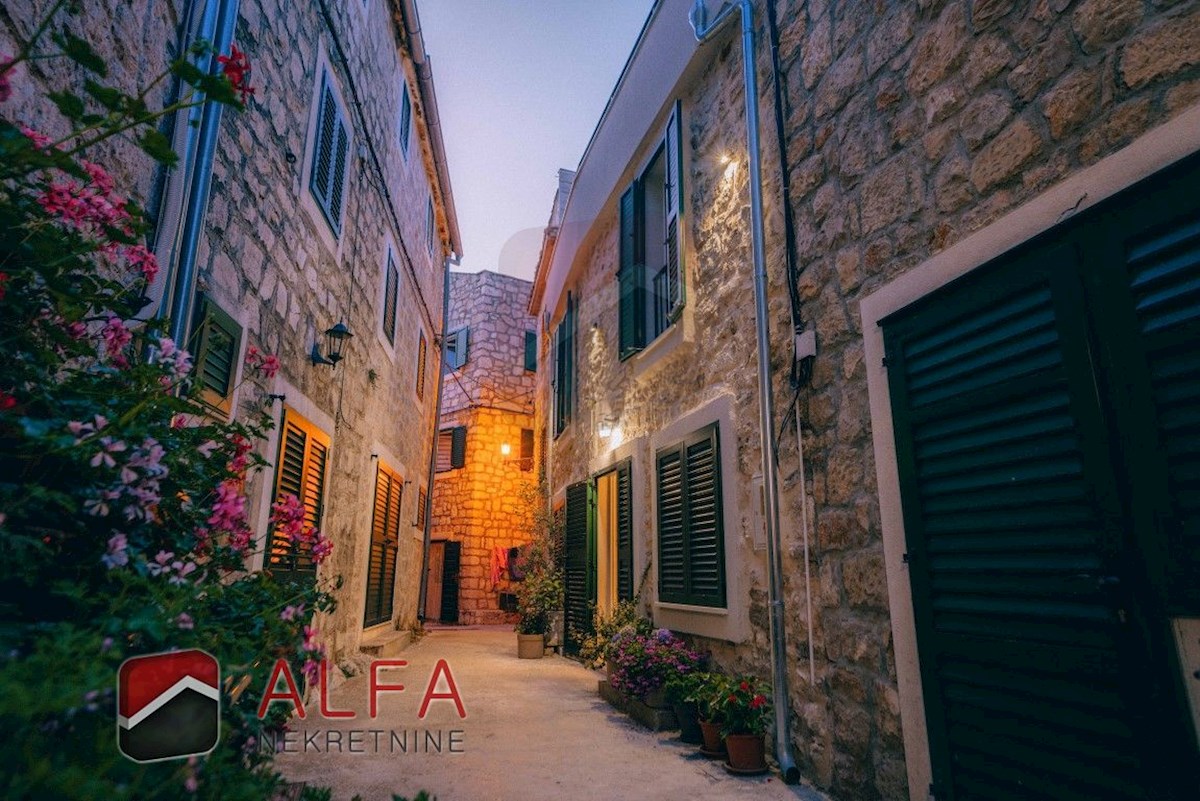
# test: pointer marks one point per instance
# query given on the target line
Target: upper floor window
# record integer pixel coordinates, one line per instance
(564, 368)
(531, 354)
(216, 340)
(451, 449)
(650, 275)
(391, 293)
(421, 357)
(330, 155)
(405, 118)
(457, 345)
(429, 225)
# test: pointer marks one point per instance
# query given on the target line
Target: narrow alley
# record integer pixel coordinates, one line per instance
(535, 729)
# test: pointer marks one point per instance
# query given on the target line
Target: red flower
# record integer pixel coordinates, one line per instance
(3, 280)
(758, 701)
(7, 401)
(236, 67)
(745, 685)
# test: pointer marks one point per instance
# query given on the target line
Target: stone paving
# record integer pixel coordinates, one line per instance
(534, 729)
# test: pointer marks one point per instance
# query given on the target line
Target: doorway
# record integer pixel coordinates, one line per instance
(441, 589)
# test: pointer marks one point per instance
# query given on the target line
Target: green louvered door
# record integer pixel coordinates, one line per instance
(1036, 526)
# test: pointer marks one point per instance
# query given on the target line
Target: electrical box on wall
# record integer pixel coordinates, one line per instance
(758, 513)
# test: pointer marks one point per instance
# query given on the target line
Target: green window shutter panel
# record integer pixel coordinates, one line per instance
(672, 538)
(391, 291)
(624, 531)
(569, 349)
(458, 446)
(464, 344)
(217, 342)
(576, 576)
(381, 561)
(322, 166)
(705, 536)
(531, 351)
(450, 581)
(405, 118)
(631, 276)
(675, 200)
(337, 179)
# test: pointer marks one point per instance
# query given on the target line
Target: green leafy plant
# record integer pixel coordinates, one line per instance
(744, 706)
(706, 690)
(123, 521)
(594, 647)
(540, 592)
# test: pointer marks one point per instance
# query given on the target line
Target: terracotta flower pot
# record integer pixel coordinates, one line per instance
(746, 751)
(530, 646)
(711, 733)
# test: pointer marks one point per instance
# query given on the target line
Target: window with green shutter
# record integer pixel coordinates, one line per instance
(391, 291)
(564, 368)
(691, 541)
(216, 342)
(451, 449)
(531, 351)
(385, 536)
(405, 118)
(331, 150)
(650, 275)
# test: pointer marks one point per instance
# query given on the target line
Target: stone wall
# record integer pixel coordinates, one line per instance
(487, 503)
(908, 126)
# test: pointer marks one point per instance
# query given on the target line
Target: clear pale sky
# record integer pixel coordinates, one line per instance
(521, 85)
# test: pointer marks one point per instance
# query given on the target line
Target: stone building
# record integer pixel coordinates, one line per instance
(986, 211)
(486, 479)
(326, 201)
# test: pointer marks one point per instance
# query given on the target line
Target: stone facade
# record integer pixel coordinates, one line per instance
(269, 259)
(486, 504)
(908, 126)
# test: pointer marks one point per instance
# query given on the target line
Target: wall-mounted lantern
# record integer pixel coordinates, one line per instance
(335, 341)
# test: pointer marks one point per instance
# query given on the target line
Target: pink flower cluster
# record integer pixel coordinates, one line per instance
(176, 362)
(116, 338)
(5, 68)
(287, 519)
(314, 652)
(265, 363)
(165, 564)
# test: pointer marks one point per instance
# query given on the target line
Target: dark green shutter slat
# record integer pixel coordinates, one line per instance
(458, 446)
(575, 550)
(218, 359)
(450, 582)
(624, 532)
(531, 351)
(631, 278)
(672, 552)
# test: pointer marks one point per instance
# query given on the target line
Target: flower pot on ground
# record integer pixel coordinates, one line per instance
(683, 691)
(746, 713)
(531, 646)
(689, 722)
(710, 735)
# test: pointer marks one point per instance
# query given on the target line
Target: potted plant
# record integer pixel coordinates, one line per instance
(537, 597)
(707, 693)
(746, 713)
(683, 690)
(642, 663)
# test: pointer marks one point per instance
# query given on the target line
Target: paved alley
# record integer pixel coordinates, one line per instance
(534, 729)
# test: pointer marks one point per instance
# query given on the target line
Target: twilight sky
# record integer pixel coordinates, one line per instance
(521, 85)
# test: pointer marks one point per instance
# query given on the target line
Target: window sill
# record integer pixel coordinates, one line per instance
(716, 623)
(693, 608)
(653, 355)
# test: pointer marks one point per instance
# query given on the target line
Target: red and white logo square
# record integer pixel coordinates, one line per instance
(168, 705)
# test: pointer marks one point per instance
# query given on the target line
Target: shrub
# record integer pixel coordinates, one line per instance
(594, 648)
(642, 663)
(123, 526)
(744, 707)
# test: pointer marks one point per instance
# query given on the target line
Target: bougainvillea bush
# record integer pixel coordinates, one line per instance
(123, 514)
(642, 663)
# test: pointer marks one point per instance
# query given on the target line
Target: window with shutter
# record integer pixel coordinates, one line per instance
(691, 543)
(429, 225)
(391, 291)
(650, 272)
(299, 471)
(422, 499)
(331, 148)
(625, 531)
(381, 559)
(216, 341)
(578, 572)
(422, 347)
(526, 449)
(564, 368)
(405, 118)
(445, 442)
(531, 351)
(458, 447)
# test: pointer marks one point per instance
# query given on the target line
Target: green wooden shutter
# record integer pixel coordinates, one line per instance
(405, 118)
(705, 531)
(576, 578)
(217, 342)
(531, 351)
(1012, 518)
(330, 153)
(672, 539)
(631, 276)
(675, 198)
(458, 446)
(624, 531)
(451, 567)
(569, 351)
(381, 559)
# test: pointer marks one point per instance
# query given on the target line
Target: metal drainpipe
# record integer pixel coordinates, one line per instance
(766, 402)
(437, 427)
(182, 292)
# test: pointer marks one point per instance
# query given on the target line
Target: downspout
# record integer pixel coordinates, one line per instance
(437, 427)
(182, 290)
(766, 403)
